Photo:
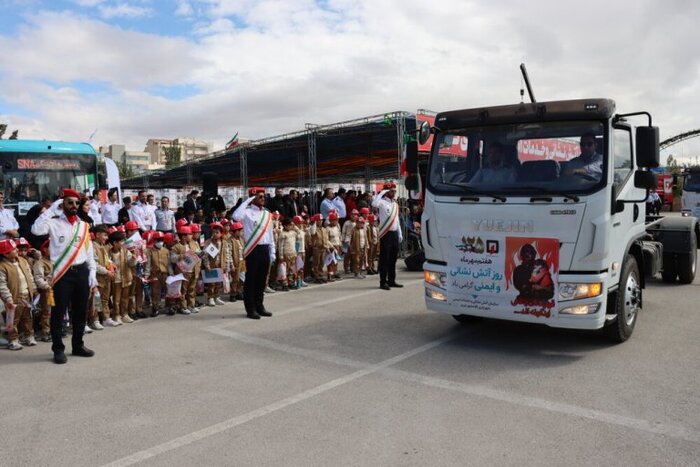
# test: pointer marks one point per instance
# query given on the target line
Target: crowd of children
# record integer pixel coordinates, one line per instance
(166, 271)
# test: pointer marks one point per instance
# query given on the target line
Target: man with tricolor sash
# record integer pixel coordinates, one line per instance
(258, 250)
(74, 270)
(390, 236)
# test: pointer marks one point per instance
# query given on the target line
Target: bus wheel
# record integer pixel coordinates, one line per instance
(467, 319)
(629, 302)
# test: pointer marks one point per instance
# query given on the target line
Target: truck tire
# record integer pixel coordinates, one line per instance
(687, 263)
(668, 268)
(467, 319)
(628, 304)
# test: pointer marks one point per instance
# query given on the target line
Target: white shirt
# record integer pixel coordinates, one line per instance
(152, 208)
(385, 208)
(142, 215)
(7, 221)
(60, 232)
(326, 207)
(339, 205)
(165, 220)
(95, 212)
(110, 212)
(250, 215)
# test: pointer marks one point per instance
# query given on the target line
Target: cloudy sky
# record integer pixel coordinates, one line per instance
(139, 69)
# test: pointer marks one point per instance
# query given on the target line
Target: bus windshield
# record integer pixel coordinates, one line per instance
(528, 158)
(28, 177)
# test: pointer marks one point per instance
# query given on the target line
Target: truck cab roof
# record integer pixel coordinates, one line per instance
(578, 109)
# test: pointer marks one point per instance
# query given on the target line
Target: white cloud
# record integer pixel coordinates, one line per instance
(184, 8)
(88, 3)
(264, 67)
(124, 10)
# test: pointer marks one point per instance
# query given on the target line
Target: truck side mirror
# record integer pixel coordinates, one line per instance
(645, 179)
(647, 142)
(411, 182)
(424, 132)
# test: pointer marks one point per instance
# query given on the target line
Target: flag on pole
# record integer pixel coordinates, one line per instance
(232, 142)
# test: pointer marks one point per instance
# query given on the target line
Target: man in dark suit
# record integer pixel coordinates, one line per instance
(277, 202)
(191, 204)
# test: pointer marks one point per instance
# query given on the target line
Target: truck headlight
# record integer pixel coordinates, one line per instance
(435, 295)
(581, 309)
(438, 279)
(574, 291)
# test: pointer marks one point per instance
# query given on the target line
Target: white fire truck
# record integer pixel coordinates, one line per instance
(535, 212)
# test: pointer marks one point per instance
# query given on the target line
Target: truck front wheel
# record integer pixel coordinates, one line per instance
(628, 303)
(687, 262)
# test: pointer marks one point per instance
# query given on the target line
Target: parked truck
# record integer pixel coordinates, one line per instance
(535, 212)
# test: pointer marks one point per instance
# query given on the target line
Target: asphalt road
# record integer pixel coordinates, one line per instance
(348, 374)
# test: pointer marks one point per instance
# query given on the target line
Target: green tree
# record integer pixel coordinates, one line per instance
(172, 155)
(125, 170)
(672, 164)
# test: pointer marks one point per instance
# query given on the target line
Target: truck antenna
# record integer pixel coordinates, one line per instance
(523, 70)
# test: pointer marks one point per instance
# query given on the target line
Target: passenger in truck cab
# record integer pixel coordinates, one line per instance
(589, 164)
(497, 170)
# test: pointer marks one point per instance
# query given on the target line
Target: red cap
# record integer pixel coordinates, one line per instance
(216, 225)
(255, 190)
(364, 211)
(92, 236)
(111, 230)
(120, 228)
(354, 211)
(169, 238)
(236, 226)
(21, 241)
(317, 217)
(181, 222)
(195, 228)
(69, 193)
(276, 215)
(370, 218)
(131, 225)
(7, 246)
(297, 220)
(225, 222)
(389, 185)
(157, 235)
(333, 215)
(184, 230)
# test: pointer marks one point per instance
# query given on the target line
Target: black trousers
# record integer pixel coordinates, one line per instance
(73, 288)
(388, 254)
(257, 265)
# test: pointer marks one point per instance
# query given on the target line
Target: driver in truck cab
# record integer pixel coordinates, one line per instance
(497, 170)
(589, 164)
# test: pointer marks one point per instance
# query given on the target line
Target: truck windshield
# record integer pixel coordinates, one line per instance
(692, 182)
(28, 177)
(524, 158)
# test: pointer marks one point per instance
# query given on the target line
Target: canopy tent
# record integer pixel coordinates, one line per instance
(354, 151)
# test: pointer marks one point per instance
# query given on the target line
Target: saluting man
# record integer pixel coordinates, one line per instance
(258, 250)
(74, 270)
(389, 235)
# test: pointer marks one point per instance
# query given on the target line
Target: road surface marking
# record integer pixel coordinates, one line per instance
(672, 431)
(273, 407)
